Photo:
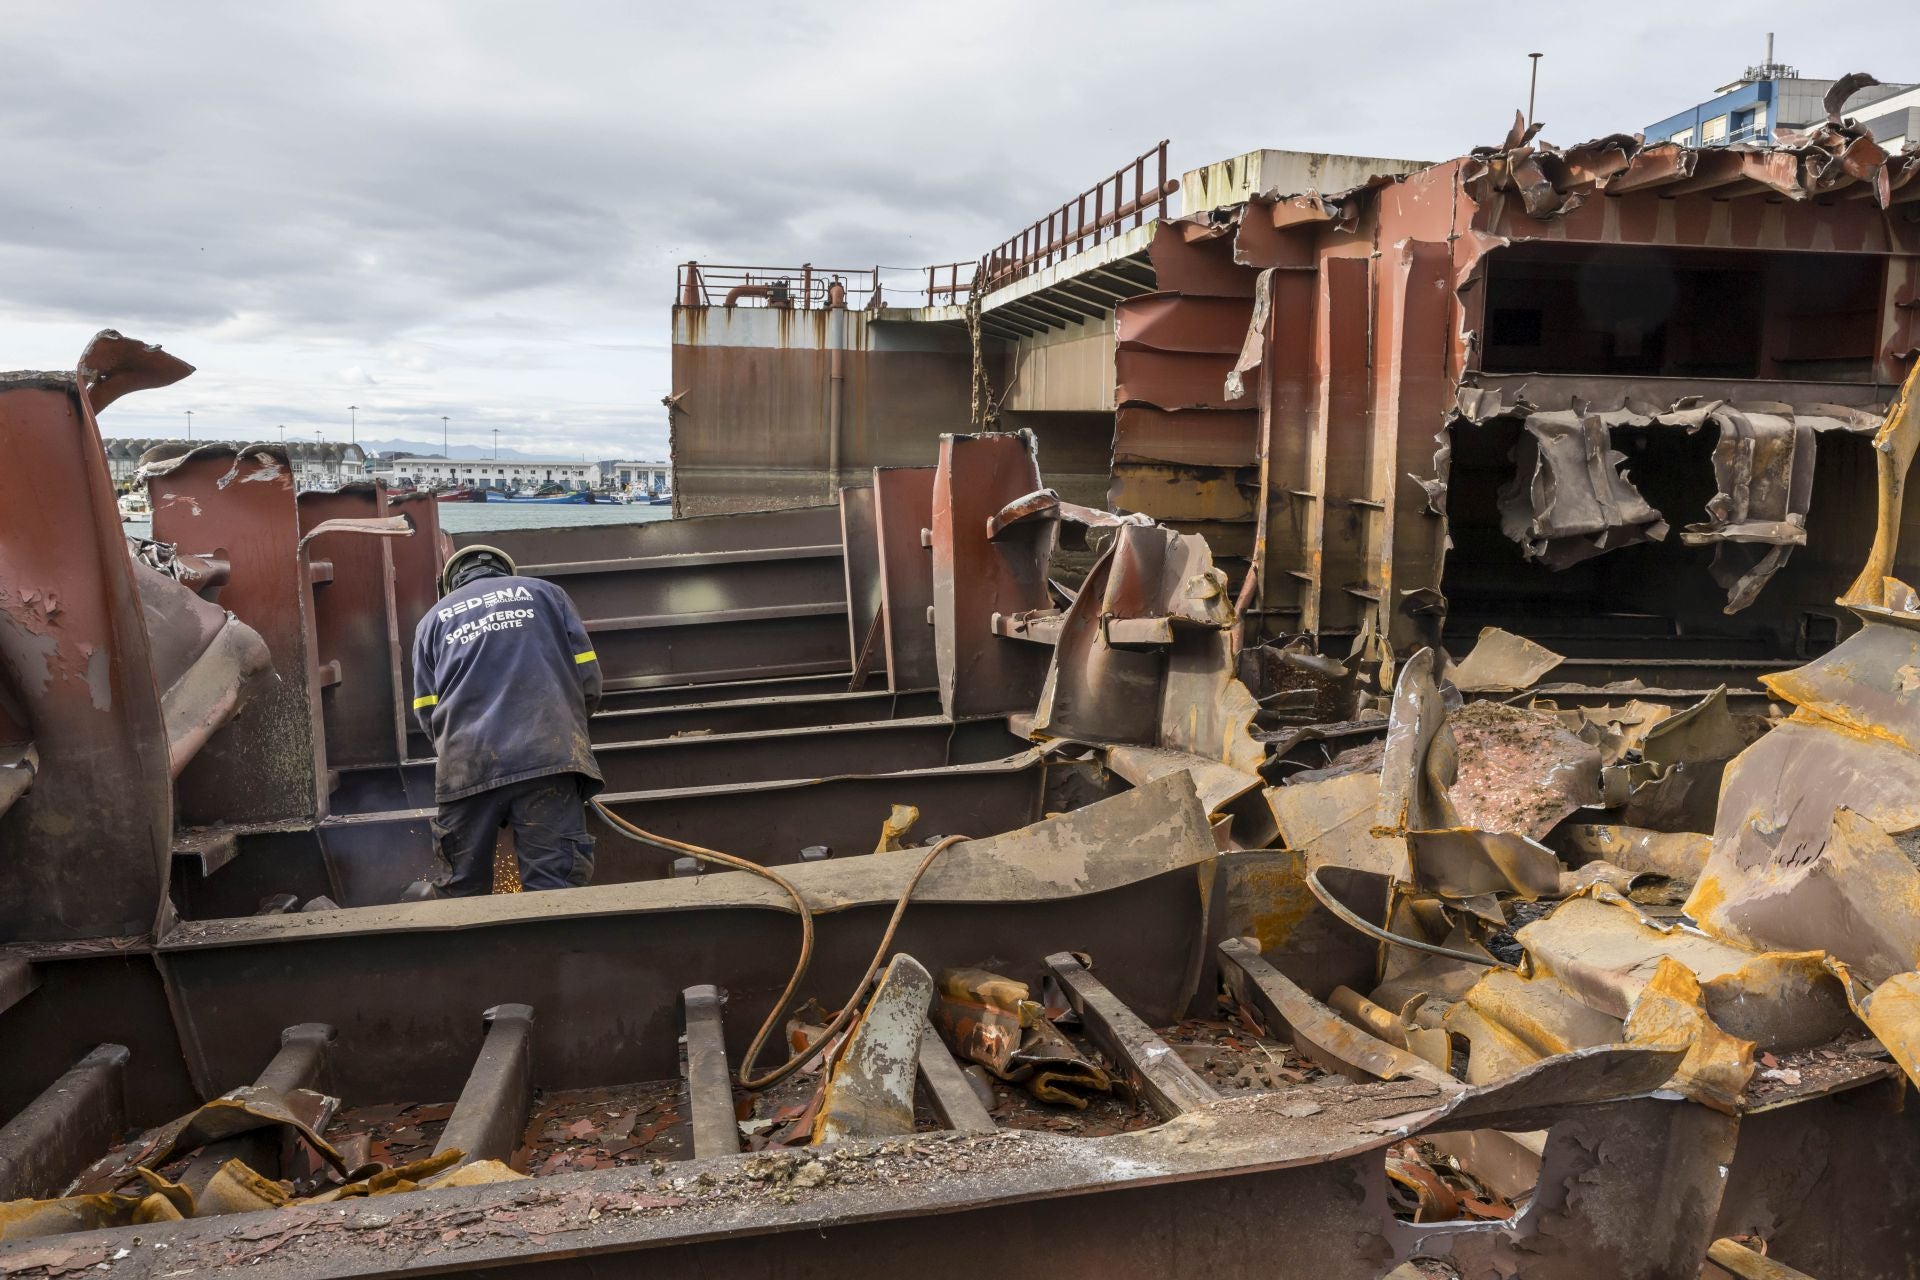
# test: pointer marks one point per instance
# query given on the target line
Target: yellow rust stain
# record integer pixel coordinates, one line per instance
(1270, 901)
(1892, 1013)
(1672, 1011)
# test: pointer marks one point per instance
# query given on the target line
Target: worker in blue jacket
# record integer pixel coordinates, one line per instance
(504, 679)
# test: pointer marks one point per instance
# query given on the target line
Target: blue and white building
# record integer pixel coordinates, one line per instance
(1771, 96)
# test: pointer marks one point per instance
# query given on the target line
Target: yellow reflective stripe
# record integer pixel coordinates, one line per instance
(588, 656)
(426, 700)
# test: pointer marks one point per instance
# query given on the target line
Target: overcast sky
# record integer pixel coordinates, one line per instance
(474, 209)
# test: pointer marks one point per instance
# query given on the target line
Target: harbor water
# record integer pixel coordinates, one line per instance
(481, 517)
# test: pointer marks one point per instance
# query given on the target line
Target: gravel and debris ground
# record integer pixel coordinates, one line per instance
(397, 1133)
(1780, 1077)
(580, 1129)
(1233, 1060)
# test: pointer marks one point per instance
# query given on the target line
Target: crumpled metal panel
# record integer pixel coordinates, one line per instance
(270, 766)
(1551, 181)
(1112, 665)
(1502, 662)
(1803, 850)
(1763, 465)
(1684, 757)
(85, 852)
(1568, 500)
(1605, 952)
(207, 663)
(1418, 770)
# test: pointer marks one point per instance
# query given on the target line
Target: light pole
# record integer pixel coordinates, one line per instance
(189, 426)
(1533, 83)
(496, 446)
(283, 433)
(353, 424)
(443, 438)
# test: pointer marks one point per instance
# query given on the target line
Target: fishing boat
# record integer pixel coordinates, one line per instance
(550, 499)
(465, 493)
(134, 506)
(664, 498)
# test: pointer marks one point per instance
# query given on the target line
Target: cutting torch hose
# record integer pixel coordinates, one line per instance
(1373, 930)
(852, 1007)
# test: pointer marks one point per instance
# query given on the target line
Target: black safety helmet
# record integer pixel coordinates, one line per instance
(477, 561)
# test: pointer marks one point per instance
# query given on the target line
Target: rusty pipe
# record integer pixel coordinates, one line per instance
(775, 294)
(837, 295)
(18, 764)
(1732, 1256)
(836, 394)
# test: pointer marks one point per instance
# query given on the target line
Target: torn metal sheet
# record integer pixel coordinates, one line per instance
(1858, 899)
(1763, 465)
(1465, 863)
(1502, 662)
(1616, 729)
(1892, 1012)
(207, 663)
(1677, 855)
(1672, 1009)
(1424, 760)
(31, 1219)
(89, 845)
(983, 1016)
(1144, 655)
(1568, 500)
(1686, 755)
(1554, 182)
(1204, 709)
(1868, 686)
(1111, 669)
(1217, 784)
(1894, 444)
(1778, 814)
(869, 1087)
(1332, 821)
(239, 505)
(1511, 1021)
(1046, 504)
(1602, 949)
(1420, 762)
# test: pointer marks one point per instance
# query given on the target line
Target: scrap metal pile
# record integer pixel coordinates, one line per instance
(1195, 953)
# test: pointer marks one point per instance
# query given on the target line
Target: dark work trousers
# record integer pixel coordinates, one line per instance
(550, 839)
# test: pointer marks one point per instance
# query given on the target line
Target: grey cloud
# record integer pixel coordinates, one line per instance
(480, 203)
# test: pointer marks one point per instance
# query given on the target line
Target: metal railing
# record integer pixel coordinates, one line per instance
(1096, 214)
(1136, 191)
(810, 288)
(1746, 133)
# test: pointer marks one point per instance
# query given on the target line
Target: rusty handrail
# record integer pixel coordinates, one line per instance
(811, 288)
(1073, 227)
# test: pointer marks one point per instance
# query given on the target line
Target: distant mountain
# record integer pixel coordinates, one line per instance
(426, 449)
